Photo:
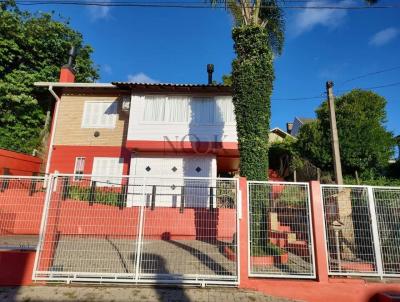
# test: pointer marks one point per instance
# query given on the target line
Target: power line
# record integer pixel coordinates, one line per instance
(338, 91)
(369, 74)
(194, 5)
(304, 98)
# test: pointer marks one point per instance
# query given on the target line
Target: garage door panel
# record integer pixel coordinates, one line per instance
(168, 177)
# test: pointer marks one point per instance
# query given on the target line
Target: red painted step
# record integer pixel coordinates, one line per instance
(299, 248)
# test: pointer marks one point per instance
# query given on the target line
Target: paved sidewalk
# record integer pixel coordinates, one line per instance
(131, 294)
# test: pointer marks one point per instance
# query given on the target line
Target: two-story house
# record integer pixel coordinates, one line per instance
(141, 130)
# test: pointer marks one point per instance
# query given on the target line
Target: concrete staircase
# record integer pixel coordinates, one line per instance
(284, 237)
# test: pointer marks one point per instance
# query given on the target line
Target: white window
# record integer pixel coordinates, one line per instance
(176, 108)
(107, 171)
(202, 110)
(224, 112)
(154, 109)
(79, 168)
(182, 109)
(99, 114)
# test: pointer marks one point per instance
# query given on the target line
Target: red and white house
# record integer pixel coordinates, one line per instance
(141, 130)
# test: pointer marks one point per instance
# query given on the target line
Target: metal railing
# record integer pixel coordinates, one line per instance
(21, 204)
(362, 230)
(280, 228)
(172, 230)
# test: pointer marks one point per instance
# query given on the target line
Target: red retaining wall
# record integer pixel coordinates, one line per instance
(16, 267)
(324, 289)
(19, 163)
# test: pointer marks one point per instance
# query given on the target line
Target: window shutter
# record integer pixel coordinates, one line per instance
(99, 114)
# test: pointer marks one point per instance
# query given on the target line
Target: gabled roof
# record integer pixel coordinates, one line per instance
(281, 133)
(305, 120)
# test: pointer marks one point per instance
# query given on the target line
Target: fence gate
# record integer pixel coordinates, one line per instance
(362, 227)
(280, 228)
(150, 230)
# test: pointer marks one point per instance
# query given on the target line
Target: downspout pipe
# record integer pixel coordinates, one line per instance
(53, 128)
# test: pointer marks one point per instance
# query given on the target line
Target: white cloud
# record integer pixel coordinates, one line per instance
(99, 12)
(309, 18)
(141, 78)
(384, 36)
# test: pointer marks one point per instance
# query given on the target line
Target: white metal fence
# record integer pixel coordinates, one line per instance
(139, 230)
(362, 227)
(280, 228)
(21, 204)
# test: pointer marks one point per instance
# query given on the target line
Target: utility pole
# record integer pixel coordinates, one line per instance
(335, 139)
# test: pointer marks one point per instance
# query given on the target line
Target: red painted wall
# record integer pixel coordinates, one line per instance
(19, 163)
(324, 289)
(63, 157)
(16, 267)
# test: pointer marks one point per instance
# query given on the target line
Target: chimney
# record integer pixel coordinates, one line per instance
(289, 127)
(67, 73)
(210, 70)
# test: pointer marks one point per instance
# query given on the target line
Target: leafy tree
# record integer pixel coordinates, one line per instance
(365, 145)
(257, 35)
(33, 47)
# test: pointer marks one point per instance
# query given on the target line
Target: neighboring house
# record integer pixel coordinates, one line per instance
(278, 135)
(294, 128)
(121, 128)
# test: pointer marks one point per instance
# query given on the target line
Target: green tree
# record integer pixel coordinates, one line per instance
(33, 47)
(257, 35)
(365, 144)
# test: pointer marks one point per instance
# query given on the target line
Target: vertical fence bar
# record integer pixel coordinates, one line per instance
(140, 233)
(182, 206)
(375, 232)
(92, 193)
(211, 198)
(49, 182)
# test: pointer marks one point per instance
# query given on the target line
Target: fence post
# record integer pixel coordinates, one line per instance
(32, 185)
(92, 193)
(65, 188)
(375, 232)
(211, 199)
(244, 236)
(182, 207)
(153, 197)
(317, 214)
(5, 181)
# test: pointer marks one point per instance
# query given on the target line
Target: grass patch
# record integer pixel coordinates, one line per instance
(99, 195)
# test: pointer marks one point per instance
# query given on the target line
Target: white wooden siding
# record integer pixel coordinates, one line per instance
(182, 118)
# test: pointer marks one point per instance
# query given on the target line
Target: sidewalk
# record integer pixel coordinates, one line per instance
(131, 294)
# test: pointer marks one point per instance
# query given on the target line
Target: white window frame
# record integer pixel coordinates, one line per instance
(77, 174)
(100, 126)
(103, 179)
(166, 110)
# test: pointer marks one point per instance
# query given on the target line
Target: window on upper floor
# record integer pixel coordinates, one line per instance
(98, 114)
(181, 109)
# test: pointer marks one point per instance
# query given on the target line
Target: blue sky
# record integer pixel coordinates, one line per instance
(174, 45)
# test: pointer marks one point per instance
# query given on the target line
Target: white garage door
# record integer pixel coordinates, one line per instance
(169, 176)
